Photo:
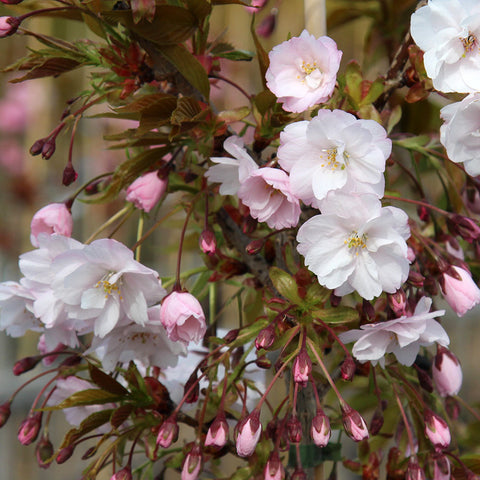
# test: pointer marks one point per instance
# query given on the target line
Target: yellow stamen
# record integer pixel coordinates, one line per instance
(356, 242)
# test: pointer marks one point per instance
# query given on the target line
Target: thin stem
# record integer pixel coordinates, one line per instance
(187, 274)
(233, 84)
(21, 387)
(177, 285)
(405, 420)
(85, 185)
(334, 335)
(418, 202)
(468, 407)
(109, 222)
(141, 221)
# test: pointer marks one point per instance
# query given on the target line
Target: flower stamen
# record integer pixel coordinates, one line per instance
(356, 242)
(332, 161)
(109, 288)
(469, 43)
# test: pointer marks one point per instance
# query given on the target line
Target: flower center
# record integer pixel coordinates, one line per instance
(332, 162)
(109, 288)
(356, 242)
(469, 43)
(312, 74)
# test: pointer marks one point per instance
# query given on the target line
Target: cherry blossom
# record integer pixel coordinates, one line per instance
(449, 33)
(402, 336)
(268, 195)
(356, 244)
(146, 191)
(459, 133)
(303, 70)
(334, 151)
(461, 294)
(53, 218)
(447, 372)
(231, 172)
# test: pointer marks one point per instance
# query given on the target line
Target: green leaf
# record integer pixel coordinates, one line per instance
(394, 118)
(375, 90)
(353, 77)
(317, 294)
(146, 102)
(336, 315)
(187, 110)
(228, 51)
(285, 284)
(188, 66)
(413, 143)
(91, 396)
(200, 284)
(264, 101)
(106, 382)
(244, 473)
(234, 115)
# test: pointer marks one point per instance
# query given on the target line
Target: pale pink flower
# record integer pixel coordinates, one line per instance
(231, 172)
(146, 191)
(249, 431)
(447, 372)
(267, 193)
(182, 316)
(303, 71)
(356, 244)
(334, 151)
(403, 336)
(436, 429)
(53, 218)
(448, 31)
(462, 295)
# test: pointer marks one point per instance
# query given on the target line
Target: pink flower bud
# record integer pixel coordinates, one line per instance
(441, 467)
(410, 255)
(44, 452)
(53, 218)
(414, 472)
(302, 367)
(26, 364)
(217, 434)
(69, 175)
(256, 6)
(192, 464)
(146, 191)
(461, 295)
(182, 316)
(398, 302)
(64, 454)
(348, 369)
(463, 226)
(447, 372)
(124, 474)
(265, 338)
(29, 428)
(8, 26)
(168, 433)
(436, 429)
(4, 413)
(255, 246)
(354, 424)
(249, 431)
(208, 242)
(320, 430)
(294, 429)
(266, 27)
(274, 469)
(11, 2)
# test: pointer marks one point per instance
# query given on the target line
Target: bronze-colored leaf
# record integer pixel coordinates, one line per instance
(187, 110)
(200, 8)
(121, 414)
(105, 381)
(52, 67)
(91, 396)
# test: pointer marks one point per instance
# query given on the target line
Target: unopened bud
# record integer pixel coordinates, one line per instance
(124, 474)
(398, 302)
(274, 469)
(29, 428)
(69, 175)
(423, 213)
(463, 226)
(217, 434)
(8, 26)
(4, 413)
(436, 429)
(192, 464)
(64, 454)
(26, 364)
(416, 279)
(36, 148)
(263, 362)
(320, 430)
(377, 422)
(299, 474)
(414, 472)
(249, 431)
(231, 335)
(48, 148)
(89, 453)
(441, 467)
(266, 27)
(447, 372)
(294, 429)
(255, 246)
(424, 379)
(302, 368)
(208, 242)
(452, 407)
(354, 424)
(265, 338)
(44, 452)
(168, 433)
(348, 368)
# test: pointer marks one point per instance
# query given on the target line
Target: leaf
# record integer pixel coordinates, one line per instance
(106, 382)
(336, 315)
(94, 24)
(145, 102)
(50, 67)
(285, 284)
(264, 101)
(121, 414)
(234, 115)
(187, 110)
(262, 56)
(200, 8)
(91, 396)
(353, 78)
(244, 473)
(394, 118)
(188, 66)
(317, 294)
(228, 51)
(375, 90)
(413, 143)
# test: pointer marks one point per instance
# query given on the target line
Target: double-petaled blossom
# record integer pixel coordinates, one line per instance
(447, 372)
(303, 71)
(182, 316)
(249, 431)
(267, 193)
(403, 336)
(459, 132)
(356, 244)
(334, 151)
(231, 172)
(448, 31)
(436, 429)
(462, 294)
(53, 218)
(146, 191)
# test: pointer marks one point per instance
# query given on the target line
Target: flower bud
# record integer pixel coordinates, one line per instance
(44, 452)
(29, 428)
(53, 218)
(348, 369)
(266, 27)
(8, 26)
(424, 379)
(354, 424)
(192, 464)
(48, 148)
(4, 413)
(254, 246)
(398, 302)
(436, 429)
(231, 335)
(217, 434)
(320, 430)
(263, 362)
(191, 390)
(26, 364)
(146, 191)
(463, 226)
(249, 431)
(441, 467)
(299, 474)
(265, 338)
(64, 454)
(376, 423)
(36, 148)
(294, 429)
(452, 407)
(11, 2)
(168, 433)
(447, 372)
(274, 469)
(256, 6)
(69, 175)
(461, 294)
(302, 368)
(124, 474)
(414, 472)
(208, 242)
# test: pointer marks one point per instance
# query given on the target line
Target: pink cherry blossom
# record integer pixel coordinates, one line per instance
(303, 71)
(354, 424)
(182, 316)
(462, 295)
(8, 26)
(436, 429)
(249, 431)
(403, 336)
(217, 434)
(53, 218)
(447, 372)
(268, 195)
(146, 191)
(320, 430)
(192, 464)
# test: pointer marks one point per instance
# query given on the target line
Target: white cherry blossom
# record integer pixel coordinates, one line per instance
(334, 151)
(356, 244)
(403, 336)
(448, 31)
